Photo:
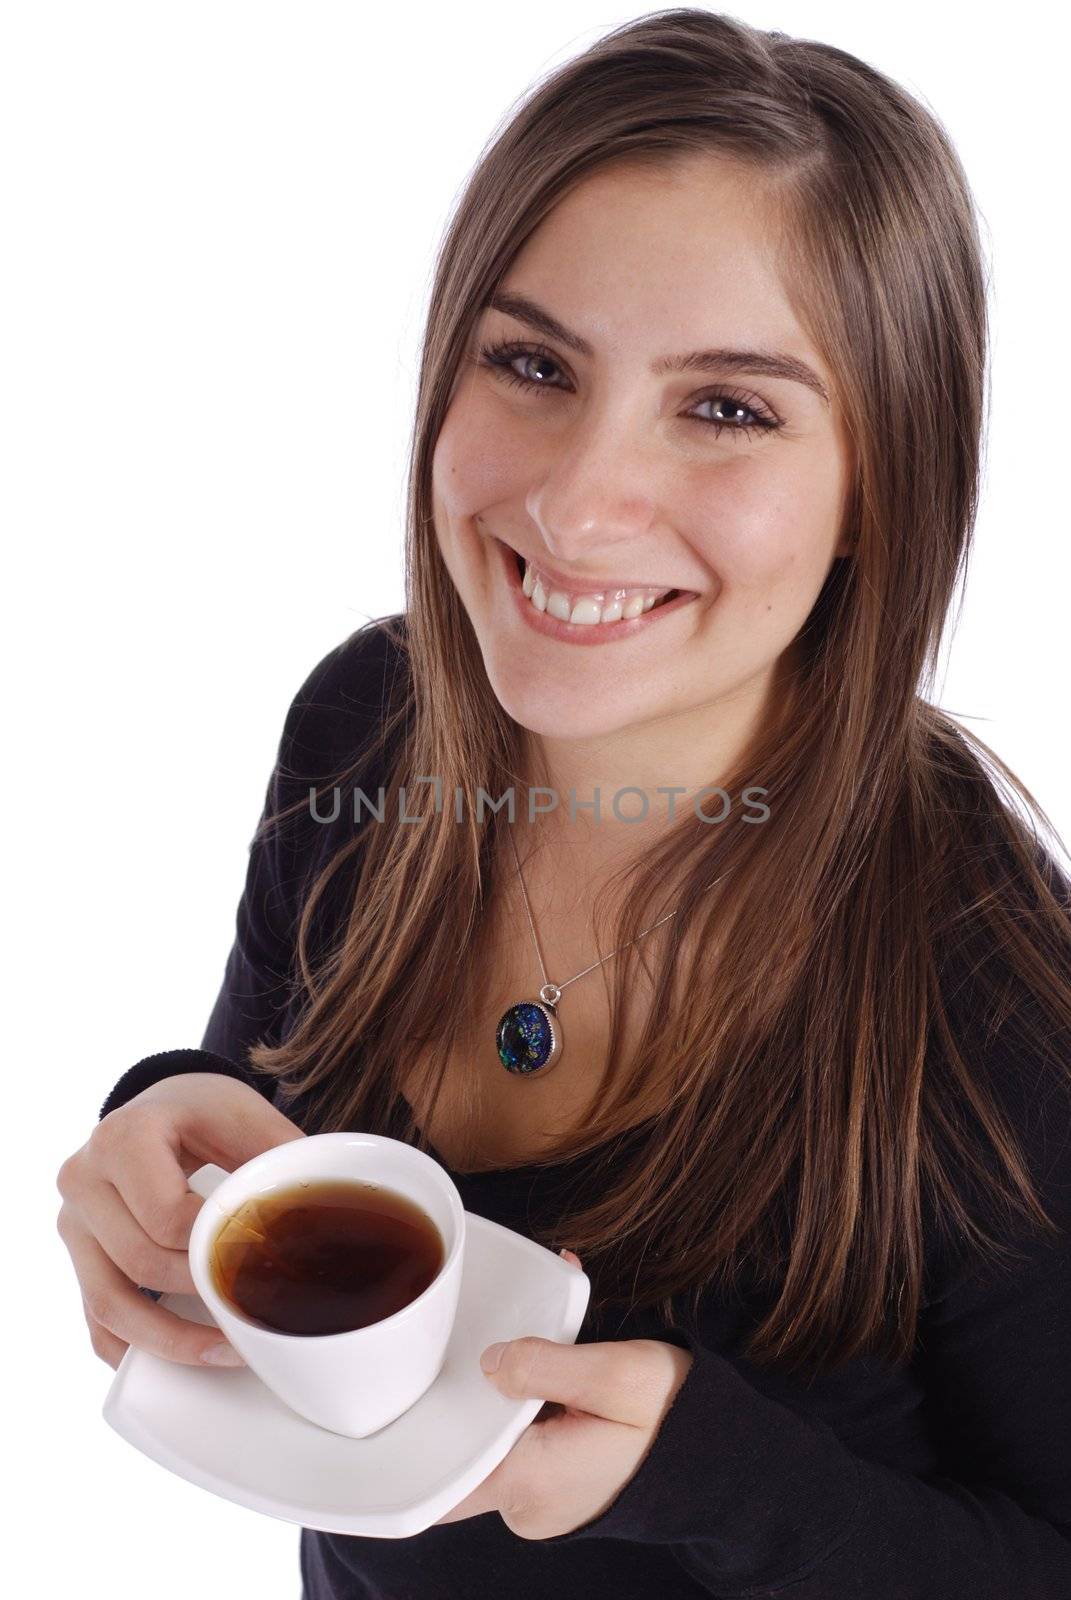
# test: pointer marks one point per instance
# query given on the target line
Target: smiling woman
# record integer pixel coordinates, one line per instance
(619, 463)
(703, 380)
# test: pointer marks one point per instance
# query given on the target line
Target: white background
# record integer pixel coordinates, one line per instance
(219, 225)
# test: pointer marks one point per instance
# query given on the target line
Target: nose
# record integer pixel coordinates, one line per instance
(597, 496)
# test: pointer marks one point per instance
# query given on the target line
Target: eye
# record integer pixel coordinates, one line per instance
(736, 414)
(731, 413)
(501, 357)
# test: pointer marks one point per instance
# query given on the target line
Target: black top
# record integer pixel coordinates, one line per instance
(945, 1478)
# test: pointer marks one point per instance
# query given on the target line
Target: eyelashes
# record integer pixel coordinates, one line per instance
(739, 414)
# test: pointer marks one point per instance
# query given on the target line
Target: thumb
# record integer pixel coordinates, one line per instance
(604, 1379)
(226, 1121)
(220, 1120)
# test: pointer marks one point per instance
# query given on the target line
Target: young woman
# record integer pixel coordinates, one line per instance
(694, 471)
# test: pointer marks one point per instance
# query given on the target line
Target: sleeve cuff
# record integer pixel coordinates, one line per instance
(747, 1489)
(153, 1069)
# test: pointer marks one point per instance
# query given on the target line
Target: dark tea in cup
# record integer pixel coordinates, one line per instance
(324, 1256)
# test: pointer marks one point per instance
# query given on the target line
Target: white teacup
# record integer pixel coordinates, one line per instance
(352, 1383)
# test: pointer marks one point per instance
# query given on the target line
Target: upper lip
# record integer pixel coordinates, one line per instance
(588, 585)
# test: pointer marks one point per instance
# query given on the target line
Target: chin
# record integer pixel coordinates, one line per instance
(558, 713)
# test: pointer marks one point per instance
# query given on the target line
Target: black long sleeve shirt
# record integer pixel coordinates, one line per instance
(946, 1477)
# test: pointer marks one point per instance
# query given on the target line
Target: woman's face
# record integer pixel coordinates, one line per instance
(620, 472)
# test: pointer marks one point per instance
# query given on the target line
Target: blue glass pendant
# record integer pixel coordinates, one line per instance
(529, 1035)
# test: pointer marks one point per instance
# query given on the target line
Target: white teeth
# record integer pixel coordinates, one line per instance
(588, 609)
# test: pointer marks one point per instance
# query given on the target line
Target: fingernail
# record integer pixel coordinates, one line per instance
(491, 1359)
(222, 1355)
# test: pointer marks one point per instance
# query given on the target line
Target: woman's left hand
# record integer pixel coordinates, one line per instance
(568, 1469)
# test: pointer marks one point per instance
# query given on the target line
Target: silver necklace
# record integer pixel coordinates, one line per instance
(529, 1034)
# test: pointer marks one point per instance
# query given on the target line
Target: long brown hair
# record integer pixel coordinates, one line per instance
(820, 1056)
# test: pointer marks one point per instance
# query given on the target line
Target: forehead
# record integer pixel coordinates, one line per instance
(653, 259)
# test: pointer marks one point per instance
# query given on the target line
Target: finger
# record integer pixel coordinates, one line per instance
(117, 1305)
(105, 1214)
(221, 1120)
(570, 1258)
(624, 1380)
(501, 1486)
(105, 1344)
(148, 1175)
(147, 1150)
(482, 1499)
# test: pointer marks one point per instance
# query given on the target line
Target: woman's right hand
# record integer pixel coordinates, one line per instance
(127, 1209)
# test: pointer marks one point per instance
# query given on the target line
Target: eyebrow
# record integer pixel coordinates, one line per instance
(765, 363)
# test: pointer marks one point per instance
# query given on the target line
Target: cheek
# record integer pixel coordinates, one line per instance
(770, 527)
(475, 464)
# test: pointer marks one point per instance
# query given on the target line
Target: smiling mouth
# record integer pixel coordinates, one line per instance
(589, 607)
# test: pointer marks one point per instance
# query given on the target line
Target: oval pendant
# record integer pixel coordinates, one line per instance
(529, 1035)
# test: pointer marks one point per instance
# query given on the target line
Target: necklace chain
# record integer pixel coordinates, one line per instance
(576, 976)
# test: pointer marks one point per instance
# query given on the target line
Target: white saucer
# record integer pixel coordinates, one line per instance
(219, 1427)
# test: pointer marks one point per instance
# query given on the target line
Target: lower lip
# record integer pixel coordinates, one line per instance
(579, 632)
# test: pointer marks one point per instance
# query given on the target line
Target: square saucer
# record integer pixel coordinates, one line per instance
(221, 1428)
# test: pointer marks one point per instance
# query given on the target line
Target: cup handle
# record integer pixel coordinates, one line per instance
(206, 1179)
